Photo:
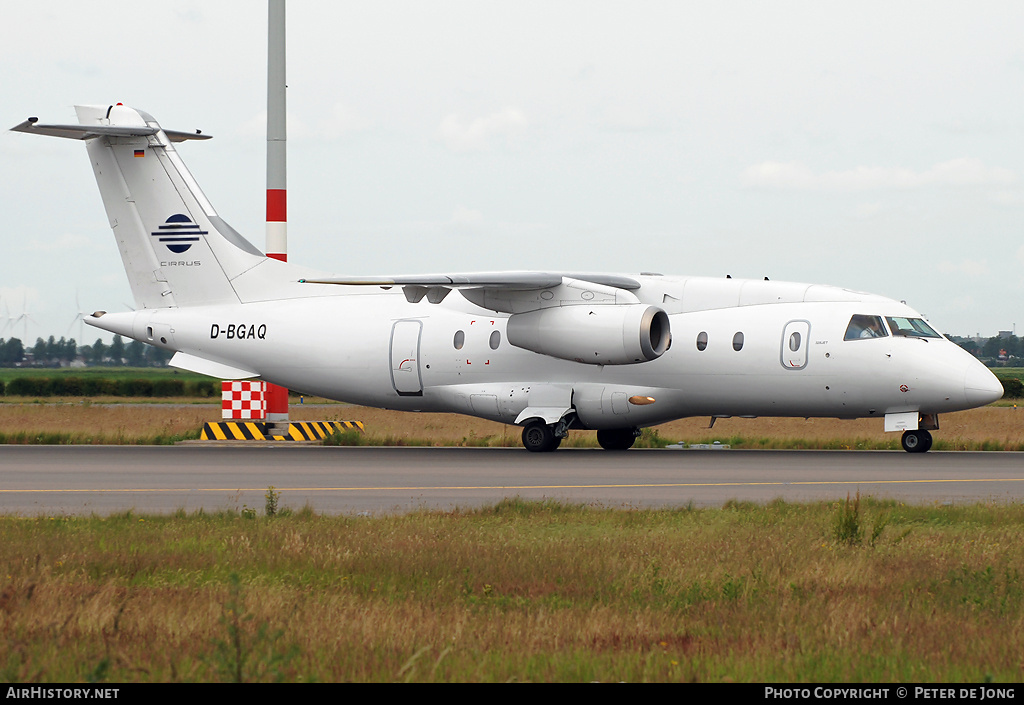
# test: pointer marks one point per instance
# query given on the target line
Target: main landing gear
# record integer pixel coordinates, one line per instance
(539, 437)
(916, 441)
(617, 438)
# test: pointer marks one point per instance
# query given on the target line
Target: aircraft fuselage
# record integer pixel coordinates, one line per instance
(758, 359)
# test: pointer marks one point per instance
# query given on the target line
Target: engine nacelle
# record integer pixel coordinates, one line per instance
(616, 334)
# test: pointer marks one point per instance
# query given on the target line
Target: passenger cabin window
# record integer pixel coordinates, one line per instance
(862, 327)
(737, 342)
(495, 340)
(911, 327)
(460, 339)
(702, 340)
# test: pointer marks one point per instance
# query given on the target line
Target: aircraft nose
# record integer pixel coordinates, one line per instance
(981, 386)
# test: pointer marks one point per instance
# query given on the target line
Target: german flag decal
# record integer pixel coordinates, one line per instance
(140, 152)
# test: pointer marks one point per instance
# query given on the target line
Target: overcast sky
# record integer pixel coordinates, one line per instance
(875, 146)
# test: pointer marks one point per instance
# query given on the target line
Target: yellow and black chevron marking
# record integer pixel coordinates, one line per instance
(257, 430)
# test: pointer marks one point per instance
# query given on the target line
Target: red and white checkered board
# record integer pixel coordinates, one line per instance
(243, 400)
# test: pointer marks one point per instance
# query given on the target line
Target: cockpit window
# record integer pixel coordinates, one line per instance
(911, 327)
(865, 327)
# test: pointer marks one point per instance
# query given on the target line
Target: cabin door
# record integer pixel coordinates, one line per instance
(405, 358)
(795, 341)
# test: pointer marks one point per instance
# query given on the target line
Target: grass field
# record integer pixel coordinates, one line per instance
(9, 373)
(830, 592)
(988, 428)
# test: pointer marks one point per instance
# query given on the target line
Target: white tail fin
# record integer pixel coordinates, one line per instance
(175, 248)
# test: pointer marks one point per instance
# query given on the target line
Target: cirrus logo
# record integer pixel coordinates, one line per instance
(178, 233)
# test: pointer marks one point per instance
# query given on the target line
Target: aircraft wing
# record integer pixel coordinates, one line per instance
(491, 280)
(510, 292)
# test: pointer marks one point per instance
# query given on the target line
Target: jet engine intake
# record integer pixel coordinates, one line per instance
(618, 334)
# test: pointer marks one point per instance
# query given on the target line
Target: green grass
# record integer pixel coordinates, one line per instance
(117, 373)
(77, 438)
(855, 591)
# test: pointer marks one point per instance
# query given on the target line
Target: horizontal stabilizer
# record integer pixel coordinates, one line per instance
(88, 132)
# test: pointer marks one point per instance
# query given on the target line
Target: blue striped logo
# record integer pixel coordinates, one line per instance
(178, 233)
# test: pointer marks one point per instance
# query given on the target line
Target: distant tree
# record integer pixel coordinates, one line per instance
(116, 351)
(136, 353)
(1014, 346)
(155, 357)
(992, 347)
(970, 346)
(99, 352)
(39, 351)
(53, 348)
(11, 352)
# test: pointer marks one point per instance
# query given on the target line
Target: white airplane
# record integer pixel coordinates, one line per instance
(549, 351)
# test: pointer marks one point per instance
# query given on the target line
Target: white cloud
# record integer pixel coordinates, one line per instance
(627, 118)
(466, 217)
(339, 120)
(968, 267)
(461, 135)
(465, 222)
(964, 171)
(868, 210)
(1007, 197)
(256, 126)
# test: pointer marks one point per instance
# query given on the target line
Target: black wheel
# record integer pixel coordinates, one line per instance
(616, 438)
(916, 441)
(538, 437)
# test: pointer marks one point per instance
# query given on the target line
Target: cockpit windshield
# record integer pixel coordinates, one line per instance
(911, 327)
(862, 326)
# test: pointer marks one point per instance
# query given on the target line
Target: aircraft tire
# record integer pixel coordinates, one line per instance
(538, 437)
(916, 441)
(616, 438)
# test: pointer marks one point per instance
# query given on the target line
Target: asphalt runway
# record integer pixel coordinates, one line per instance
(76, 480)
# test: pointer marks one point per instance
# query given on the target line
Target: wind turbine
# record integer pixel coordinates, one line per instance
(23, 317)
(79, 318)
(7, 317)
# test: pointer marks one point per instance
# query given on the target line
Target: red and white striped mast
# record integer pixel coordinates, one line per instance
(277, 172)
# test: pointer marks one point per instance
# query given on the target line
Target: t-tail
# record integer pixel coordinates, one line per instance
(176, 250)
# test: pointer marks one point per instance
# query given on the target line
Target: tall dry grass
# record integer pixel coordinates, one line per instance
(993, 428)
(989, 427)
(520, 591)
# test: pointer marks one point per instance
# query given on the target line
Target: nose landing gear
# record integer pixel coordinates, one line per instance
(916, 441)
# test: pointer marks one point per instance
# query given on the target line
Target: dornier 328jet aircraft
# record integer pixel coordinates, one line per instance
(549, 351)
